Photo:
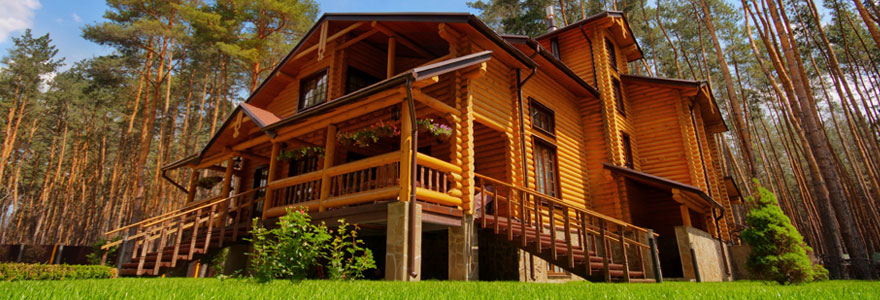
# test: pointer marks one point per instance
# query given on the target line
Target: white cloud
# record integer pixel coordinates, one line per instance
(16, 15)
(76, 18)
(59, 20)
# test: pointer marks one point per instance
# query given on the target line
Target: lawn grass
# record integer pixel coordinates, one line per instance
(188, 288)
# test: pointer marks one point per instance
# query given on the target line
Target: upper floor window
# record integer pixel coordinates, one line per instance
(612, 54)
(618, 96)
(542, 118)
(357, 79)
(313, 90)
(627, 151)
(554, 47)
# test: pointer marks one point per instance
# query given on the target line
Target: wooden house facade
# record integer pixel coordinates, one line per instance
(508, 157)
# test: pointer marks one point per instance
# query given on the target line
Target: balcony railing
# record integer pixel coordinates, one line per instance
(364, 181)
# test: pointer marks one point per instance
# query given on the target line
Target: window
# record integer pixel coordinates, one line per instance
(542, 118)
(612, 54)
(554, 47)
(627, 151)
(556, 271)
(357, 79)
(618, 96)
(261, 178)
(546, 171)
(313, 90)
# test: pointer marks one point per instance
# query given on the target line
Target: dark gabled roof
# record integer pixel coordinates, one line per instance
(660, 181)
(533, 44)
(596, 17)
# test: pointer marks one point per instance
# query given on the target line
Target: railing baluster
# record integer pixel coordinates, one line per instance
(585, 236)
(194, 235)
(509, 213)
(539, 229)
(623, 251)
(483, 207)
(552, 218)
(210, 229)
(495, 201)
(523, 197)
(177, 240)
(161, 249)
(605, 262)
(567, 225)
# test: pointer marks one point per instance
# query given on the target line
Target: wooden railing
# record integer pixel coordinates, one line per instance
(364, 181)
(184, 229)
(527, 210)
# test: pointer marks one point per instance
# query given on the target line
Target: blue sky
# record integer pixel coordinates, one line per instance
(62, 19)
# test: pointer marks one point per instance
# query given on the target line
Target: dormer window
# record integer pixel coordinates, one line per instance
(612, 54)
(313, 90)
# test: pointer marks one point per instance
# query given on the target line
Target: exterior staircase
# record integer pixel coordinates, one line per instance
(183, 235)
(583, 242)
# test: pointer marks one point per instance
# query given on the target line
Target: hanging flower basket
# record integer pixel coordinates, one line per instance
(368, 136)
(302, 152)
(209, 182)
(428, 127)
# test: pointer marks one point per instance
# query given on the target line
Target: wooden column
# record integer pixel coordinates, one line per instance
(191, 192)
(329, 157)
(227, 177)
(273, 168)
(405, 152)
(686, 216)
(392, 53)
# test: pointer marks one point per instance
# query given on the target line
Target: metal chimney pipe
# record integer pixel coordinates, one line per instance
(551, 19)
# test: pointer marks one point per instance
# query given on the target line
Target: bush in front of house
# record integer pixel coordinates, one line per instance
(18, 271)
(778, 250)
(298, 249)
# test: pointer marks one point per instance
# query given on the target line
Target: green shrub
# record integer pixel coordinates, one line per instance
(297, 249)
(17, 271)
(778, 250)
(97, 254)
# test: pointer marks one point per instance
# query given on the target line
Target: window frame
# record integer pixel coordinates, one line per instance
(611, 48)
(317, 75)
(538, 143)
(617, 90)
(535, 105)
(626, 142)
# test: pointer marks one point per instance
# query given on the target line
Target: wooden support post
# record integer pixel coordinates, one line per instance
(191, 192)
(405, 152)
(178, 238)
(623, 252)
(273, 168)
(552, 218)
(567, 224)
(392, 53)
(224, 206)
(603, 239)
(685, 216)
(329, 157)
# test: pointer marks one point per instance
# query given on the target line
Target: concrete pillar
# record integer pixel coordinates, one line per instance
(397, 244)
(463, 251)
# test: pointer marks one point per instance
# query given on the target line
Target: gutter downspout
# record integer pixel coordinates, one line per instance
(522, 120)
(592, 57)
(522, 133)
(411, 264)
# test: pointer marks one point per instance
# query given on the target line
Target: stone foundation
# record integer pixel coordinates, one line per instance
(397, 242)
(464, 251)
(711, 254)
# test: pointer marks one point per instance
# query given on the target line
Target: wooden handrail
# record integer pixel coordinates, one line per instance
(183, 210)
(562, 203)
(436, 163)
